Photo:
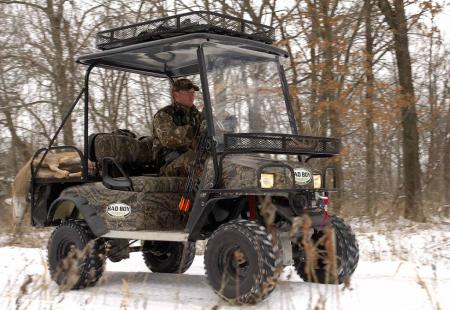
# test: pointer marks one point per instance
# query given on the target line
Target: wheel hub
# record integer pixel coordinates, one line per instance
(239, 257)
(234, 263)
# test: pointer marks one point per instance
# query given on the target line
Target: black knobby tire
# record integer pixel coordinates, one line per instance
(351, 246)
(167, 256)
(241, 261)
(347, 255)
(75, 258)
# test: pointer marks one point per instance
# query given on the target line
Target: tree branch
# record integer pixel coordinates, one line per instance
(25, 105)
(388, 13)
(36, 6)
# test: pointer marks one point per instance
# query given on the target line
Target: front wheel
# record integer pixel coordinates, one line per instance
(75, 258)
(240, 261)
(314, 264)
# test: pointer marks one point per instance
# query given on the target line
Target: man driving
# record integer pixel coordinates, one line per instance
(175, 128)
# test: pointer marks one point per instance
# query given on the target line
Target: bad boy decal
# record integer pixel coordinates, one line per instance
(118, 210)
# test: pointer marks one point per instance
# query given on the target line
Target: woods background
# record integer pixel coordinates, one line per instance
(374, 73)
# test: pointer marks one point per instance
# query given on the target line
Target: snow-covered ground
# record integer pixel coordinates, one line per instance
(398, 270)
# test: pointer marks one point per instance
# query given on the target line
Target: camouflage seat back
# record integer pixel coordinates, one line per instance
(158, 184)
(124, 149)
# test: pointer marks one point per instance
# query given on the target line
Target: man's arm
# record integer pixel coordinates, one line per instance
(169, 134)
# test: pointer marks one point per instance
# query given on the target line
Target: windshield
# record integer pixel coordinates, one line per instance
(245, 89)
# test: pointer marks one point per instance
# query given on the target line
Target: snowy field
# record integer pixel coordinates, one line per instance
(402, 269)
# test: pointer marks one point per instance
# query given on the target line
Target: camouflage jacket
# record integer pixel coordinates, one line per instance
(175, 127)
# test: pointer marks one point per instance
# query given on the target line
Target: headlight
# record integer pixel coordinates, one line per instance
(267, 180)
(317, 181)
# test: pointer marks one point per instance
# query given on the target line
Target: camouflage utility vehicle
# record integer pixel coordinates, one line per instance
(249, 189)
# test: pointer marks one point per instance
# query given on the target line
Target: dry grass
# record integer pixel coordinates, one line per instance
(424, 286)
(27, 236)
(302, 227)
(301, 224)
(22, 235)
(6, 216)
(125, 294)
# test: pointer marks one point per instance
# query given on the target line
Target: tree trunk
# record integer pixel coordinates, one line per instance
(16, 141)
(328, 88)
(396, 19)
(294, 92)
(370, 136)
(318, 117)
(431, 185)
(63, 86)
(446, 164)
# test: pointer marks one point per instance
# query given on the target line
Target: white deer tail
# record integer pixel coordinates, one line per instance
(20, 191)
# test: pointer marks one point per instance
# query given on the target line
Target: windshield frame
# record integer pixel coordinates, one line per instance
(206, 92)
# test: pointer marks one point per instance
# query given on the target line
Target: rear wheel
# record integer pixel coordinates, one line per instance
(315, 265)
(75, 258)
(168, 257)
(240, 261)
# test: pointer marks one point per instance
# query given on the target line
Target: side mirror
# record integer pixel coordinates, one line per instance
(330, 183)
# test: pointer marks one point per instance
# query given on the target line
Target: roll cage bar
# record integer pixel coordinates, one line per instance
(166, 58)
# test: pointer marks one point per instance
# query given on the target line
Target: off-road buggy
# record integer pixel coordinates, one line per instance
(251, 190)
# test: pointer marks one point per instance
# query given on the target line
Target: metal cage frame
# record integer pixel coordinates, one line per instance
(234, 143)
(192, 22)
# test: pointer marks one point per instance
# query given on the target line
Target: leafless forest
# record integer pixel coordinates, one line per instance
(374, 73)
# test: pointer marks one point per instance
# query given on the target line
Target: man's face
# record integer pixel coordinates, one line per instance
(184, 97)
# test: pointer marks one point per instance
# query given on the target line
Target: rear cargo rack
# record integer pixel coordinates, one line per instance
(238, 143)
(193, 22)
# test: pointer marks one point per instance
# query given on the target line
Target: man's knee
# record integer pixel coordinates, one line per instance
(179, 166)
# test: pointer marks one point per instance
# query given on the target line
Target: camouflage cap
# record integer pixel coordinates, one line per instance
(184, 84)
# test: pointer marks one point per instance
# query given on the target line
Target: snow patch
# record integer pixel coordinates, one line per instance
(375, 285)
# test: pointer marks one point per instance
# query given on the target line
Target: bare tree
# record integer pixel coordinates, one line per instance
(369, 97)
(396, 18)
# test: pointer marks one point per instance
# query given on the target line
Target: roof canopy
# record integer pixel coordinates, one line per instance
(171, 57)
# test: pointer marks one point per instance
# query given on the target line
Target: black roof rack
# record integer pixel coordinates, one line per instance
(193, 22)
